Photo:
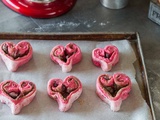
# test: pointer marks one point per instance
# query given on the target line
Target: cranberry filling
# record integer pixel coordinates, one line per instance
(107, 55)
(15, 52)
(113, 90)
(65, 56)
(5, 48)
(14, 92)
(63, 90)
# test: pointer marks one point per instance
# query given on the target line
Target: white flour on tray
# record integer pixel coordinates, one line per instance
(89, 106)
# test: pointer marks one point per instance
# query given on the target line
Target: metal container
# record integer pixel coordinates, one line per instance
(114, 4)
(154, 11)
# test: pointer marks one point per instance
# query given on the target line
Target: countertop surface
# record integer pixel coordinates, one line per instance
(91, 16)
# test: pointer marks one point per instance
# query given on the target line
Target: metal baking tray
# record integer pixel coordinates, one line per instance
(132, 37)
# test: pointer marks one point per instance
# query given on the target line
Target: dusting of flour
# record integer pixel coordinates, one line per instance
(65, 25)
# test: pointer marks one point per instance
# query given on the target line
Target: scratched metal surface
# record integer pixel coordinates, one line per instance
(91, 16)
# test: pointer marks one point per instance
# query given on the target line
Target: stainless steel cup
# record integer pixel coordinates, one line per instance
(114, 4)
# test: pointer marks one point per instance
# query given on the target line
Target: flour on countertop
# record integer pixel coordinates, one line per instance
(38, 29)
(66, 24)
(103, 23)
(58, 26)
(69, 25)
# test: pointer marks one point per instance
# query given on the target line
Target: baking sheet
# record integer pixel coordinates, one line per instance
(40, 69)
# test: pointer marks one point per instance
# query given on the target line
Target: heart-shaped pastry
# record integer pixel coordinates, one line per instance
(64, 92)
(105, 58)
(16, 96)
(66, 56)
(113, 89)
(15, 55)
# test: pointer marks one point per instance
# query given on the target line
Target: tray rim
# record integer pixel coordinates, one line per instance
(68, 35)
(92, 36)
(146, 77)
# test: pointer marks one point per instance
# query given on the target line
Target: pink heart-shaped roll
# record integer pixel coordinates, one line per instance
(16, 96)
(15, 55)
(105, 58)
(66, 56)
(64, 92)
(113, 89)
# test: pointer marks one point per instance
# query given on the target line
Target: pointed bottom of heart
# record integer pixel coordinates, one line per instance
(16, 108)
(66, 106)
(114, 104)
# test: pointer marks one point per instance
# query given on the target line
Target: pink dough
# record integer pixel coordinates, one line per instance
(16, 96)
(105, 58)
(15, 55)
(113, 89)
(66, 56)
(65, 93)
